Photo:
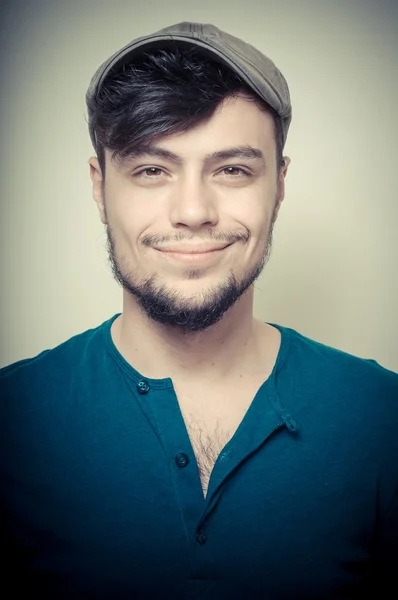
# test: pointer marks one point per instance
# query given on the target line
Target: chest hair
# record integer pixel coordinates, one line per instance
(208, 438)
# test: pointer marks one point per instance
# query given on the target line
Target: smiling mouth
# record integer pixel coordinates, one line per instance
(191, 248)
(183, 251)
(192, 254)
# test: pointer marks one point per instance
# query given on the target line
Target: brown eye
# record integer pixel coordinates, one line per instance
(233, 170)
(149, 173)
(152, 171)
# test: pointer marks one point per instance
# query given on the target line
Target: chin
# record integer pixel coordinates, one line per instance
(193, 299)
(192, 305)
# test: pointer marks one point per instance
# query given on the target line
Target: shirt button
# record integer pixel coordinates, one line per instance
(201, 536)
(143, 386)
(181, 459)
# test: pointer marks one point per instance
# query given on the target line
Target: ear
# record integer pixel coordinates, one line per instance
(281, 185)
(98, 185)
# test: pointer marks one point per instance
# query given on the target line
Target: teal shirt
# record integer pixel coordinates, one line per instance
(101, 495)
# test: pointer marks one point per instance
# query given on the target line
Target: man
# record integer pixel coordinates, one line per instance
(183, 449)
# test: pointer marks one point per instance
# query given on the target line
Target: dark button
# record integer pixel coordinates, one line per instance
(143, 386)
(181, 459)
(201, 536)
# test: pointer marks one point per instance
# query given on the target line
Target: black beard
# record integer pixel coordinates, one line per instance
(169, 308)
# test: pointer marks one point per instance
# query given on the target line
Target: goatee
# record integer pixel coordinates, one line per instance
(169, 307)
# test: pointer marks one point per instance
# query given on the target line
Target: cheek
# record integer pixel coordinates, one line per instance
(258, 222)
(256, 218)
(128, 218)
(253, 206)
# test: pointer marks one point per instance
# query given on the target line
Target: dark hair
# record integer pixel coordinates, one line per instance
(165, 91)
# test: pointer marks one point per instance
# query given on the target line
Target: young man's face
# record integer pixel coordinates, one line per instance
(190, 222)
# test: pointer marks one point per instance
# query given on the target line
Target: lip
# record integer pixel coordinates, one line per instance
(198, 254)
(203, 249)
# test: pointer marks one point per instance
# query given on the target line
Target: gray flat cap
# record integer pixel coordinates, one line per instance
(256, 69)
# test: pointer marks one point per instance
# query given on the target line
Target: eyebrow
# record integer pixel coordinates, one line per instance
(153, 151)
(238, 152)
(247, 152)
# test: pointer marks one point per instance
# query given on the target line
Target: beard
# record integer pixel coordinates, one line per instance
(169, 307)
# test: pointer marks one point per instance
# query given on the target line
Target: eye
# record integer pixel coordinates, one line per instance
(150, 172)
(234, 171)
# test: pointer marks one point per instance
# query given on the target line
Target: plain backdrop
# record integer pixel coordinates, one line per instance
(333, 270)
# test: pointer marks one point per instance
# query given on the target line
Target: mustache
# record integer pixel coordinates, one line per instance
(228, 236)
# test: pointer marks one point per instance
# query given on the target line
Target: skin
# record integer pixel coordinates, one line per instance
(172, 204)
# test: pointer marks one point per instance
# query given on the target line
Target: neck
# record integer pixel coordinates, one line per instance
(158, 351)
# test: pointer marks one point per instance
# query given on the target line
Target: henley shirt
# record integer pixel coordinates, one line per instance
(101, 495)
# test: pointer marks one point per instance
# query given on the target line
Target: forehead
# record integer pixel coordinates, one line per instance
(237, 124)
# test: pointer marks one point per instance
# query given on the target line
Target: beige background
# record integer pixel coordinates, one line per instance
(332, 274)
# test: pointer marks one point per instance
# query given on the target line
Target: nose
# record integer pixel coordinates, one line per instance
(193, 204)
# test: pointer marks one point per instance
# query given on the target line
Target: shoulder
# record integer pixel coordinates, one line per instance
(322, 363)
(347, 406)
(353, 393)
(55, 367)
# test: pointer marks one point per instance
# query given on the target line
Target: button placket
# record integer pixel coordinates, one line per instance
(201, 536)
(143, 386)
(181, 459)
